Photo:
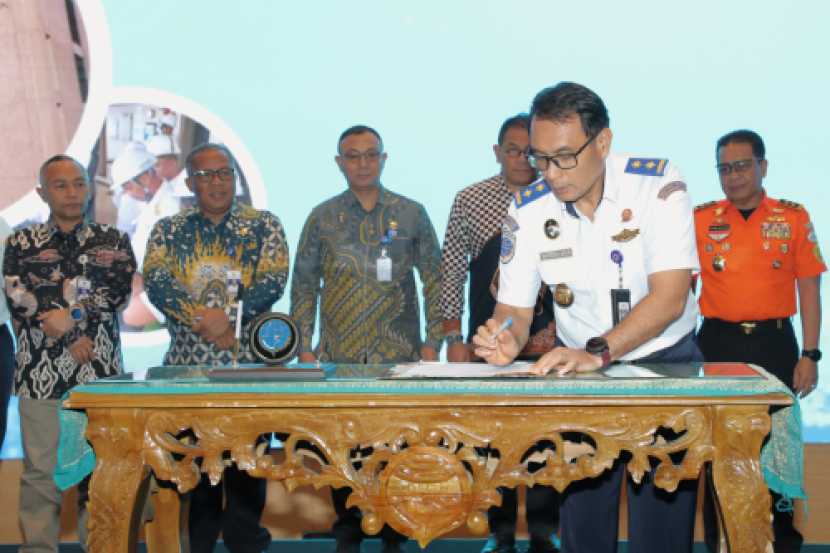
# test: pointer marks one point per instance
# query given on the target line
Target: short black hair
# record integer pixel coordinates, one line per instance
(558, 103)
(55, 159)
(188, 162)
(742, 136)
(521, 121)
(358, 129)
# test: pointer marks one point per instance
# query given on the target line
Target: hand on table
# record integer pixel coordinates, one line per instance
(564, 360)
(428, 354)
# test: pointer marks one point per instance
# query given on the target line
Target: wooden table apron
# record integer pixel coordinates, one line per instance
(426, 475)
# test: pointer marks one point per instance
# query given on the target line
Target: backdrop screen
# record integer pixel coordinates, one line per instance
(279, 81)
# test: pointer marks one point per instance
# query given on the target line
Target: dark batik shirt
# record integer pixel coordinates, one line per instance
(42, 267)
(473, 244)
(188, 257)
(363, 320)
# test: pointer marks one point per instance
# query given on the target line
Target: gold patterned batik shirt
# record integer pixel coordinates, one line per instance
(186, 269)
(363, 320)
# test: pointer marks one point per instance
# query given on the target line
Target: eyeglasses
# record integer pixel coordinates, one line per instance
(205, 176)
(371, 156)
(563, 161)
(742, 165)
(515, 152)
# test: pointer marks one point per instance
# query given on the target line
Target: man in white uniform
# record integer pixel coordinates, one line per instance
(613, 235)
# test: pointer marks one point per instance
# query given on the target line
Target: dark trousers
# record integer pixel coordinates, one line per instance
(346, 528)
(238, 521)
(658, 521)
(541, 511)
(776, 350)
(6, 376)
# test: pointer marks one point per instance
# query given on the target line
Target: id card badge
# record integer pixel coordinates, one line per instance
(234, 280)
(620, 304)
(384, 267)
(84, 288)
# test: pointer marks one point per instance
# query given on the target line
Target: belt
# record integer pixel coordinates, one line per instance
(751, 327)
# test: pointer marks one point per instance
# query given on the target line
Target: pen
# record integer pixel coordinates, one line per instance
(504, 326)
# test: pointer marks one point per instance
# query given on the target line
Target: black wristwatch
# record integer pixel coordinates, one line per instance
(599, 347)
(453, 339)
(812, 354)
(77, 314)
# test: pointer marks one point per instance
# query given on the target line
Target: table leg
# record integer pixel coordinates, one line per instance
(167, 532)
(738, 433)
(119, 478)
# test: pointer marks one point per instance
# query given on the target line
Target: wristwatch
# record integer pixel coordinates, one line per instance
(77, 314)
(599, 346)
(453, 339)
(812, 354)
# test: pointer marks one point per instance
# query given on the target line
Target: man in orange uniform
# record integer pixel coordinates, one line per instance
(754, 253)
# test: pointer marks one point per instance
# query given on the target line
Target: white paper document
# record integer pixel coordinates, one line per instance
(631, 371)
(459, 370)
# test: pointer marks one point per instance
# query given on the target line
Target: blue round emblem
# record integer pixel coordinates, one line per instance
(274, 335)
(231, 250)
(508, 246)
(617, 257)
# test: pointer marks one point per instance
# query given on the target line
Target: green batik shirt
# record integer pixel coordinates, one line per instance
(188, 258)
(363, 320)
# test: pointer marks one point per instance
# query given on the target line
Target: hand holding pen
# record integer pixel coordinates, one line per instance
(495, 344)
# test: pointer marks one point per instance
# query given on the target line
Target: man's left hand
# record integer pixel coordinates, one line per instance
(428, 354)
(212, 323)
(565, 360)
(805, 378)
(226, 341)
(56, 323)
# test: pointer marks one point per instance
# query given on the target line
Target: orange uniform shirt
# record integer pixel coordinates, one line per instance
(760, 257)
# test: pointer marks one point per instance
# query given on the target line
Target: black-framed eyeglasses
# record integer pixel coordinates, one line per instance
(563, 161)
(515, 152)
(206, 176)
(740, 166)
(372, 156)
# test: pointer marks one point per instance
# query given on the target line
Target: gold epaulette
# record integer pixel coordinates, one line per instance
(704, 206)
(791, 205)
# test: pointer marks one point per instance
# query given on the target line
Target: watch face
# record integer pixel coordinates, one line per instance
(275, 338)
(596, 345)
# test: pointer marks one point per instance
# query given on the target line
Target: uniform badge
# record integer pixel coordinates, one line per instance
(718, 262)
(671, 188)
(778, 210)
(626, 235)
(511, 224)
(726, 246)
(718, 211)
(393, 229)
(709, 247)
(341, 217)
(508, 246)
(552, 229)
(626, 215)
(776, 264)
(563, 295)
(646, 166)
(817, 253)
(719, 231)
(785, 248)
(811, 236)
(767, 245)
(556, 254)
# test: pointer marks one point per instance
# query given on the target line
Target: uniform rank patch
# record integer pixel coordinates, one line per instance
(511, 224)
(671, 188)
(508, 246)
(556, 254)
(646, 166)
(704, 206)
(531, 192)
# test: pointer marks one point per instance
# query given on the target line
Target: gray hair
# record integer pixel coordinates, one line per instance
(55, 159)
(188, 162)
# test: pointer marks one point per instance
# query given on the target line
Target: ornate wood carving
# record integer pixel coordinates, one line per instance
(423, 470)
(742, 493)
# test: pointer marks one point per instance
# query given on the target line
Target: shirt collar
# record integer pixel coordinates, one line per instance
(610, 190)
(767, 203)
(77, 231)
(348, 196)
(232, 212)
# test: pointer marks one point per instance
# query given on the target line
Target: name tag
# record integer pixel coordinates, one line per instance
(384, 269)
(234, 279)
(84, 288)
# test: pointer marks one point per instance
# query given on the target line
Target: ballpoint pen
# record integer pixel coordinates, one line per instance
(504, 326)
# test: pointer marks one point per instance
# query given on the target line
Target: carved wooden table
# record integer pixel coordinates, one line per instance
(425, 474)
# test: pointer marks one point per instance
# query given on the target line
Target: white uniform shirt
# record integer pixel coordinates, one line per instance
(163, 204)
(580, 257)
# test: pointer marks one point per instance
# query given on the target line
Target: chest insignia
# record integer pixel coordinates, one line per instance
(626, 235)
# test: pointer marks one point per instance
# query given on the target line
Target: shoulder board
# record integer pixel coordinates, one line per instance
(704, 206)
(791, 205)
(646, 166)
(531, 193)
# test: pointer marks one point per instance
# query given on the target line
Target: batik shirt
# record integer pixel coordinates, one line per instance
(473, 244)
(363, 320)
(42, 268)
(186, 269)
